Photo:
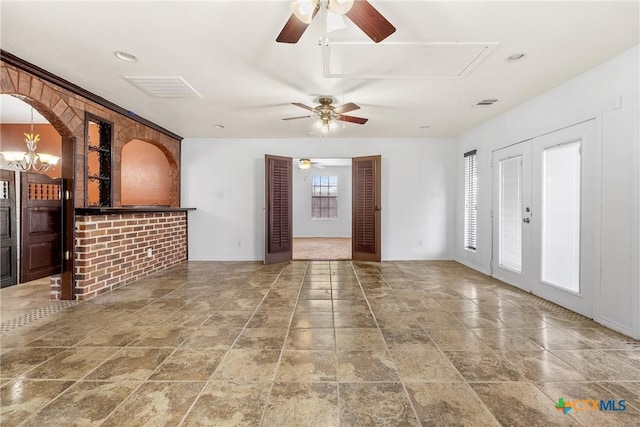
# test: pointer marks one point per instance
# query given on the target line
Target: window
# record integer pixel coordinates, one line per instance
(470, 199)
(324, 197)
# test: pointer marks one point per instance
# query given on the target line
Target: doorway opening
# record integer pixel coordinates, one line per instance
(322, 209)
(32, 215)
(365, 210)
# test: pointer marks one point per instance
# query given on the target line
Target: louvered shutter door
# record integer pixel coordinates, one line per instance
(366, 208)
(280, 221)
(278, 209)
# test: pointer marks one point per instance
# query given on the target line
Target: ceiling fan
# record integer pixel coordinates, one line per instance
(304, 164)
(327, 114)
(360, 12)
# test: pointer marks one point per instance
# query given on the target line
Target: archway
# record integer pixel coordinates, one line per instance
(33, 248)
(41, 102)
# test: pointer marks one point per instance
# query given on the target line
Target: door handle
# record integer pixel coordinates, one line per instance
(526, 220)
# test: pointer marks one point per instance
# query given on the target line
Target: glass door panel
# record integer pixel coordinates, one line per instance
(510, 214)
(560, 216)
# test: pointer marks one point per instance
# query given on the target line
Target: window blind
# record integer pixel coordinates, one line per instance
(470, 199)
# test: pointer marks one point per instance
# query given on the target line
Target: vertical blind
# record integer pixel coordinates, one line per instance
(470, 199)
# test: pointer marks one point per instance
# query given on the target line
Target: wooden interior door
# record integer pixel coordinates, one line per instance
(41, 226)
(8, 232)
(366, 209)
(278, 208)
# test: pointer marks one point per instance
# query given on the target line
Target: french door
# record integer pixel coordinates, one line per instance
(543, 216)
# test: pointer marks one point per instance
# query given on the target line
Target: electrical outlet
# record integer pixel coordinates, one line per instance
(150, 253)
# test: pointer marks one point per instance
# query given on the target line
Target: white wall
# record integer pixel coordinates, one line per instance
(590, 95)
(224, 181)
(303, 224)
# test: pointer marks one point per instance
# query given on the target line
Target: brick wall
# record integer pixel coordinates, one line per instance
(65, 109)
(112, 250)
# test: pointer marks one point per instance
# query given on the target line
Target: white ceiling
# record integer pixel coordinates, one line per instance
(226, 51)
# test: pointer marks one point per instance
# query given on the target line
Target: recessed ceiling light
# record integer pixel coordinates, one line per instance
(515, 57)
(126, 57)
(218, 126)
(425, 126)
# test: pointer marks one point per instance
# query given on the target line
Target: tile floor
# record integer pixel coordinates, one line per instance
(17, 301)
(316, 343)
(321, 248)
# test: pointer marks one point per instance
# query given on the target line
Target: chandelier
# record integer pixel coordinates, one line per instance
(31, 160)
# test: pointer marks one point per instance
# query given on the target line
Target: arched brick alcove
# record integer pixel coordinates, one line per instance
(146, 175)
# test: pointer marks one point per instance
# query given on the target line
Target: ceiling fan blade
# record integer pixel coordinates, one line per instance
(369, 20)
(296, 118)
(306, 107)
(292, 30)
(346, 108)
(352, 119)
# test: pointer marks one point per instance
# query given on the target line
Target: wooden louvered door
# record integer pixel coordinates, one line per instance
(366, 208)
(278, 208)
(41, 226)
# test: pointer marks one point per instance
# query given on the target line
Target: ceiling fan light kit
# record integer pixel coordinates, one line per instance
(340, 7)
(328, 115)
(364, 16)
(304, 10)
(304, 164)
(360, 12)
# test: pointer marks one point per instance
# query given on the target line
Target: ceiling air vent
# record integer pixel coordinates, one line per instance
(164, 87)
(486, 102)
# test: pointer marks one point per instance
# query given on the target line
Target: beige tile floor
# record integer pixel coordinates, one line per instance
(321, 248)
(18, 300)
(316, 343)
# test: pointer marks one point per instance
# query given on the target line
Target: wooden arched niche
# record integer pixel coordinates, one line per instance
(145, 175)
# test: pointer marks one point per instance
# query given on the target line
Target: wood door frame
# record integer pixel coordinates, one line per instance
(376, 254)
(67, 278)
(271, 256)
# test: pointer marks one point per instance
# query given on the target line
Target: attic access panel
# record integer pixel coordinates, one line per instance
(403, 60)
